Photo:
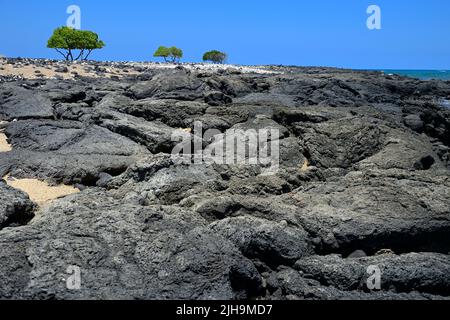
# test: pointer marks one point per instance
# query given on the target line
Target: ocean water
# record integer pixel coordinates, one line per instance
(422, 74)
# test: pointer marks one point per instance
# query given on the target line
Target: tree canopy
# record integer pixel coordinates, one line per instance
(172, 54)
(66, 40)
(215, 56)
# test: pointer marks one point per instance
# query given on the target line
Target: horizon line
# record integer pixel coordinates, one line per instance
(244, 65)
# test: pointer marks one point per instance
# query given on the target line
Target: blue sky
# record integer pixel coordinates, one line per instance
(415, 34)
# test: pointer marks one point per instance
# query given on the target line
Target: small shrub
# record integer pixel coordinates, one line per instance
(215, 56)
(172, 54)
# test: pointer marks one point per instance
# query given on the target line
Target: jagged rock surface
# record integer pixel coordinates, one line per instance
(364, 180)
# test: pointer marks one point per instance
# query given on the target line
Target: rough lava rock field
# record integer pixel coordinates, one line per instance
(364, 180)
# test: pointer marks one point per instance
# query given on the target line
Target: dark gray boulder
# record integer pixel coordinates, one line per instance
(414, 272)
(16, 102)
(124, 251)
(16, 208)
(414, 122)
(170, 85)
(67, 151)
(274, 244)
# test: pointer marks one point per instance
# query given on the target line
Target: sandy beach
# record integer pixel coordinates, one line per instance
(40, 192)
(52, 69)
(4, 145)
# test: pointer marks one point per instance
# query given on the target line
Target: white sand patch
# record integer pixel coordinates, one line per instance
(40, 192)
(4, 145)
(305, 166)
(203, 67)
(48, 70)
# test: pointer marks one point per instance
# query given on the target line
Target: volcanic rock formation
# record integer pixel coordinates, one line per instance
(364, 180)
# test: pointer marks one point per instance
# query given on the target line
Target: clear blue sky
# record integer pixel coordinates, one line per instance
(415, 33)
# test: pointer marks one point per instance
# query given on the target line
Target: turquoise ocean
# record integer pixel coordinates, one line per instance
(422, 74)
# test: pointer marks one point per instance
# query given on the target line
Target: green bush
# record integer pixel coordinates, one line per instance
(172, 54)
(66, 40)
(215, 56)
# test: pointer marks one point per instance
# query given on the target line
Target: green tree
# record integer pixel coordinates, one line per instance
(175, 54)
(66, 41)
(215, 56)
(172, 54)
(162, 52)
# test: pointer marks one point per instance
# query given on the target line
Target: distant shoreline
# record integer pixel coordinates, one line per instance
(418, 74)
(424, 74)
(421, 74)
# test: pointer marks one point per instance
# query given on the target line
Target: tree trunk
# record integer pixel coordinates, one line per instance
(80, 55)
(66, 56)
(70, 55)
(89, 53)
